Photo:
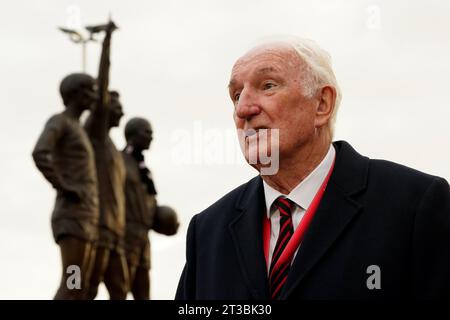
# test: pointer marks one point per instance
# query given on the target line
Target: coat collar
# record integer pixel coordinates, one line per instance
(246, 232)
(335, 212)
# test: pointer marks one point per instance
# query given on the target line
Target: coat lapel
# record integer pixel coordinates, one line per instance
(332, 217)
(246, 232)
(335, 212)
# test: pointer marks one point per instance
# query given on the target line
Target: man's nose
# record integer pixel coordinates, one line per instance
(247, 106)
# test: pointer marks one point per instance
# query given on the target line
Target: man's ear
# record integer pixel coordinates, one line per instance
(324, 111)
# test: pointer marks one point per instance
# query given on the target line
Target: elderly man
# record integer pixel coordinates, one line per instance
(328, 223)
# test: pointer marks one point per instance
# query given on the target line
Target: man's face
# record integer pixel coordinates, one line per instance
(116, 112)
(266, 90)
(87, 95)
(143, 137)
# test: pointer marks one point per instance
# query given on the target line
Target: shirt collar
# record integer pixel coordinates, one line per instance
(304, 192)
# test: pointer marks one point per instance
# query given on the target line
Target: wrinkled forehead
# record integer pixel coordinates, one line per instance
(277, 55)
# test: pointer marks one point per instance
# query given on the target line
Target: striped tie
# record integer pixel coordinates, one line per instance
(278, 277)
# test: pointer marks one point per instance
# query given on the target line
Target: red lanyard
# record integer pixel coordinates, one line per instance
(297, 237)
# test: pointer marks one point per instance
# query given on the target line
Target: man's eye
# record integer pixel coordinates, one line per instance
(268, 85)
(236, 96)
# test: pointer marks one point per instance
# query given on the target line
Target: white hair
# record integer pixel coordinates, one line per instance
(318, 71)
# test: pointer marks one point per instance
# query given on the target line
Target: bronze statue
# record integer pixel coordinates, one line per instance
(110, 262)
(64, 155)
(142, 211)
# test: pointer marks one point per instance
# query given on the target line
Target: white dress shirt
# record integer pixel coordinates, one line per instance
(302, 195)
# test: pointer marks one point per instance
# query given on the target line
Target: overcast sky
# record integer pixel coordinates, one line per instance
(171, 62)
